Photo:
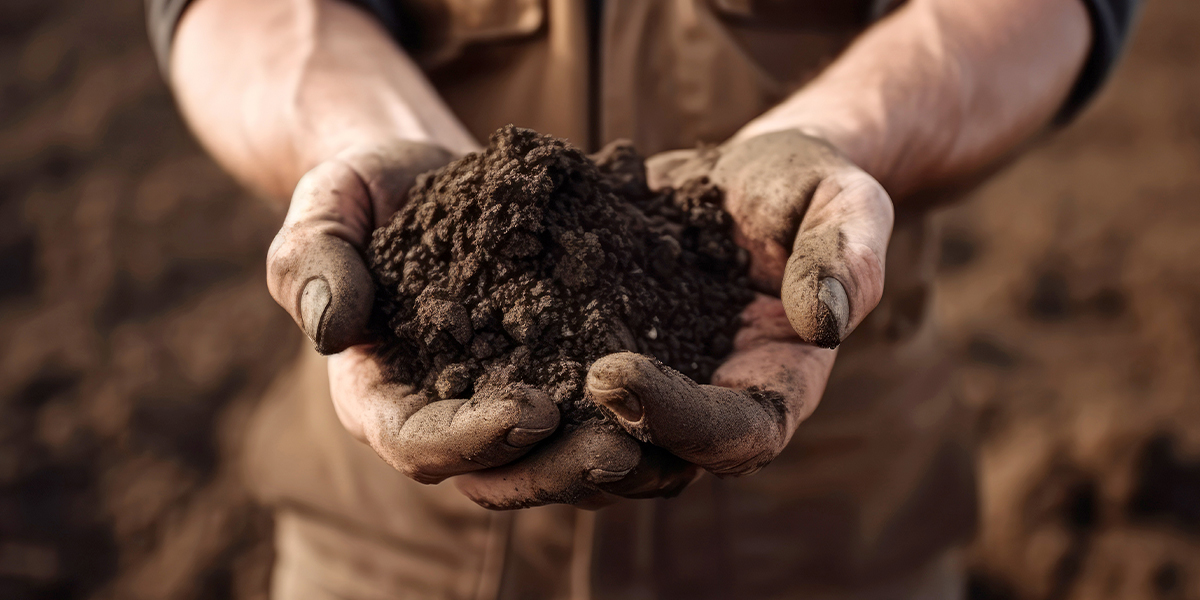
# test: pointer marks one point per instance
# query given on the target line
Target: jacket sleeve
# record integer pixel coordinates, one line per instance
(162, 16)
(1112, 22)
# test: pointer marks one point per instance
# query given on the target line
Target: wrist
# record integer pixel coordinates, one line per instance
(901, 145)
(901, 126)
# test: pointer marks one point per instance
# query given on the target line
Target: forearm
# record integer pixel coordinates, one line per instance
(274, 87)
(942, 88)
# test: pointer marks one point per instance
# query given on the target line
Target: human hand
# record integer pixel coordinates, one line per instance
(817, 228)
(316, 272)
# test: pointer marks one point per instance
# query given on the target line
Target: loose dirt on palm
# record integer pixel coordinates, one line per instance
(530, 260)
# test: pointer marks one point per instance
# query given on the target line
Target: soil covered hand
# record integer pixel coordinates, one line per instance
(817, 229)
(816, 225)
(316, 272)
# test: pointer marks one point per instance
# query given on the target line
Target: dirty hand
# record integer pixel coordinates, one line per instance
(316, 272)
(817, 229)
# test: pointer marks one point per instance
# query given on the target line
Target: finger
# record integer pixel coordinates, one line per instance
(726, 431)
(314, 265)
(674, 167)
(737, 426)
(834, 276)
(451, 437)
(430, 441)
(572, 469)
(659, 474)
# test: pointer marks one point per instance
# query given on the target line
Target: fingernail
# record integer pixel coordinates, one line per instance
(835, 313)
(626, 404)
(314, 301)
(606, 476)
(527, 436)
(617, 399)
(538, 418)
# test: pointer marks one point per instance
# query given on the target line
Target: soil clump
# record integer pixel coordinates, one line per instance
(530, 260)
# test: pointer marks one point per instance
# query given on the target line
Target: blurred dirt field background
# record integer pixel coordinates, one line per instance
(136, 331)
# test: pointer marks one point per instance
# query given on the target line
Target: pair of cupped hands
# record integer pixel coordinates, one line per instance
(816, 228)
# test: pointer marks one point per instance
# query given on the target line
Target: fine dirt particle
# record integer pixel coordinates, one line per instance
(530, 260)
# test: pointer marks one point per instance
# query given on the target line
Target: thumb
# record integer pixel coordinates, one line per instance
(727, 430)
(834, 276)
(315, 269)
(671, 169)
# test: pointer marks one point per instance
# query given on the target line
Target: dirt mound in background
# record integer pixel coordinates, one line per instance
(530, 260)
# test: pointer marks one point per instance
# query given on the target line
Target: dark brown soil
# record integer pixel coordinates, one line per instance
(530, 260)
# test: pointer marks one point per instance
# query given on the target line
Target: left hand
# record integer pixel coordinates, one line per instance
(817, 229)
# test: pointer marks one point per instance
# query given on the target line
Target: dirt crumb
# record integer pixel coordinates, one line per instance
(530, 260)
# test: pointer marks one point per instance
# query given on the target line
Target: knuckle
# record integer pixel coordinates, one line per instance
(407, 457)
(324, 177)
(284, 253)
(485, 502)
(743, 465)
(412, 466)
(425, 477)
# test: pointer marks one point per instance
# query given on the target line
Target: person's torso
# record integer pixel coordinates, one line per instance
(666, 74)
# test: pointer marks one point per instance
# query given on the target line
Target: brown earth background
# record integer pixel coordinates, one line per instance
(136, 332)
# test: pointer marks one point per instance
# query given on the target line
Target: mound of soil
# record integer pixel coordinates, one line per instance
(529, 261)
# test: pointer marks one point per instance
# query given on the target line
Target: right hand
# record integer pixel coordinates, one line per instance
(316, 272)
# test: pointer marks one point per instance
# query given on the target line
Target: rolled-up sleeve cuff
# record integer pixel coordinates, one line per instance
(162, 16)
(1112, 21)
